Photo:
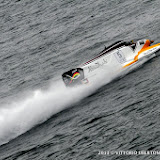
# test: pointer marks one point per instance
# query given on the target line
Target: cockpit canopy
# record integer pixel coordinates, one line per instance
(117, 45)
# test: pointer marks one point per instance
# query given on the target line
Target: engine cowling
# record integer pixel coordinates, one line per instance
(73, 77)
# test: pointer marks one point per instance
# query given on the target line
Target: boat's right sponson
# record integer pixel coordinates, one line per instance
(73, 77)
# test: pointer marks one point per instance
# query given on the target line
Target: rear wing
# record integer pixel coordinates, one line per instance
(73, 77)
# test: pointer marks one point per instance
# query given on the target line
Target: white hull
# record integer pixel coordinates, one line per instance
(114, 62)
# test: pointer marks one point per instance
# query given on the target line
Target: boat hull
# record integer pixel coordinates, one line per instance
(111, 64)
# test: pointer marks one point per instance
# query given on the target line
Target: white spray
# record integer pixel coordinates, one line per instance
(20, 116)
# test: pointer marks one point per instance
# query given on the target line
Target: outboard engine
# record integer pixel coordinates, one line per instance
(73, 77)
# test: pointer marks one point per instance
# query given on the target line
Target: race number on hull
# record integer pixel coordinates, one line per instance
(120, 56)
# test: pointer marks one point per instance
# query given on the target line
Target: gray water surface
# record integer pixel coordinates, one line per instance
(39, 40)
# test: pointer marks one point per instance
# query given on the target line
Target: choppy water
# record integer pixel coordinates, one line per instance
(39, 40)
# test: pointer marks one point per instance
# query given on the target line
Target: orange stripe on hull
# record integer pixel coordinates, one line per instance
(150, 47)
(145, 48)
(129, 63)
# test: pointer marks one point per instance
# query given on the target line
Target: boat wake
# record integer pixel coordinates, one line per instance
(20, 116)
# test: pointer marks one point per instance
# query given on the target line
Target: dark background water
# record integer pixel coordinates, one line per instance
(39, 40)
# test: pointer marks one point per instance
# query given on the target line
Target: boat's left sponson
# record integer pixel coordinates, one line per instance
(73, 77)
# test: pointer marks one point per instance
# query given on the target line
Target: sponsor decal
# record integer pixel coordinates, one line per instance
(97, 65)
(75, 76)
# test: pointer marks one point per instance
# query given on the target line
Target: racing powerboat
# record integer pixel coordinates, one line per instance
(117, 57)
